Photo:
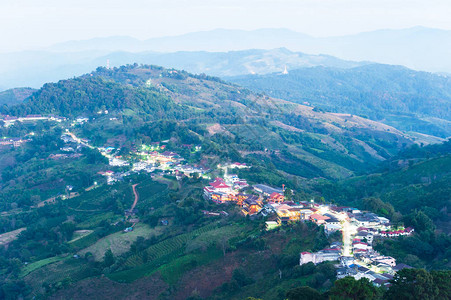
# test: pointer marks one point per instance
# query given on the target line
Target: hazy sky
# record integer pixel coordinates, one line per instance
(28, 24)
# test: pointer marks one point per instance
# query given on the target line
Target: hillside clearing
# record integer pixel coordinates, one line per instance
(8, 237)
(120, 242)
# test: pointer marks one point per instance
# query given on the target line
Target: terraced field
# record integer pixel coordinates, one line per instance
(39, 264)
(167, 246)
(120, 242)
(175, 256)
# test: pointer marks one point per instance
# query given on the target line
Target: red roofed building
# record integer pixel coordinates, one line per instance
(318, 219)
(219, 191)
(276, 197)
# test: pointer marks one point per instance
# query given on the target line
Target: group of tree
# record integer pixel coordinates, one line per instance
(407, 284)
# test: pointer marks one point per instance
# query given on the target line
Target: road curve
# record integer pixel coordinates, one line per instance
(136, 197)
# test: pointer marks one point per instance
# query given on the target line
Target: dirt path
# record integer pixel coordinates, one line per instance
(136, 197)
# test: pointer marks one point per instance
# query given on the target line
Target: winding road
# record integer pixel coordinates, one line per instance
(136, 197)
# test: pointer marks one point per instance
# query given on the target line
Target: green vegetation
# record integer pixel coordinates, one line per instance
(15, 96)
(403, 98)
(327, 157)
(39, 264)
(119, 242)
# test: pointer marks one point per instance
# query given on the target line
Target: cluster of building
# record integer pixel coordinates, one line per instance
(149, 159)
(9, 120)
(356, 256)
(227, 189)
(15, 142)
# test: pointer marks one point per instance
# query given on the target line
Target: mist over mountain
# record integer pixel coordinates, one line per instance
(418, 48)
(36, 68)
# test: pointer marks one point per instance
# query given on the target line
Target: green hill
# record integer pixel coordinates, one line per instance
(231, 121)
(15, 96)
(403, 98)
(76, 246)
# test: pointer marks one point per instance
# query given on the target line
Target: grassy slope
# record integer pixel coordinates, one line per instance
(120, 242)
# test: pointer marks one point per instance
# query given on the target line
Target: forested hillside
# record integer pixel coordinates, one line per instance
(68, 232)
(296, 139)
(403, 98)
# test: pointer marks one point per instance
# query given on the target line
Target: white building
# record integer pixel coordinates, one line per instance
(320, 256)
(385, 260)
(116, 162)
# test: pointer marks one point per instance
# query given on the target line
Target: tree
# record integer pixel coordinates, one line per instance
(413, 284)
(108, 259)
(288, 194)
(421, 222)
(304, 292)
(442, 280)
(240, 277)
(349, 288)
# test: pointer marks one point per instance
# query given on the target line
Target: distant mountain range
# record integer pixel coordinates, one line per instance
(418, 48)
(36, 68)
(228, 53)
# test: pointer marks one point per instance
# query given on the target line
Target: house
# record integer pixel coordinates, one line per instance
(117, 162)
(81, 120)
(232, 178)
(219, 191)
(366, 219)
(271, 225)
(67, 149)
(16, 142)
(318, 219)
(241, 184)
(381, 282)
(238, 165)
(128, 229)
(361, 275)
(331, 228)
(286, 213)
(385, 259)
(399, 267)
(361, 245)
(320, 256)
(383, 220)
(276, 197)
(252, 205)
(305, 213)
(364, 235)
(332, 220)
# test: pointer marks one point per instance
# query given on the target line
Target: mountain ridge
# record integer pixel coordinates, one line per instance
(383, 92)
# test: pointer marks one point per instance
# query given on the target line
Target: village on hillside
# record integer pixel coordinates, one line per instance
(355, 255)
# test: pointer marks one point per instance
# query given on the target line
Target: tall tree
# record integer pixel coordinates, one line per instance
(349, 288)
(413, 284)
